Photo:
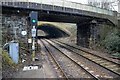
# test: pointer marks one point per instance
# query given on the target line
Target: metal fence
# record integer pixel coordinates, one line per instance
(61, 3)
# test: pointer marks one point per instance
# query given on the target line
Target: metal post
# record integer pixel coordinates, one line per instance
(33, 48)
(33, 42)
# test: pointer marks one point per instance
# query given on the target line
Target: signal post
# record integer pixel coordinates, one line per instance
(33, 21)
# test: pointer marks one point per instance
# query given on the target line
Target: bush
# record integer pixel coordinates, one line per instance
(112, 41)
(8, 66)
(6, 60)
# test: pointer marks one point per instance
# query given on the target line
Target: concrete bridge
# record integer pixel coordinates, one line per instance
(64, 7)
(63, 11)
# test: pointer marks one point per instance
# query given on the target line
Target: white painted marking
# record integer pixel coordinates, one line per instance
(30, 68)
(25, 68)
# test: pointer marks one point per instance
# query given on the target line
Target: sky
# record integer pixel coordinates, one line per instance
(85, 2)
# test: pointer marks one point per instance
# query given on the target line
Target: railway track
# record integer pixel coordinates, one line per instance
(68, 63)
(107, 64)
(88, 52)
(110, 68)
(52, 59)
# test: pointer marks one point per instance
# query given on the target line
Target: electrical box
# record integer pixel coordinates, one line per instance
(14, 51)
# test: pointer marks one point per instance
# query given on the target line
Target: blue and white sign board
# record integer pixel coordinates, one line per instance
(33, 31)
(14, 51)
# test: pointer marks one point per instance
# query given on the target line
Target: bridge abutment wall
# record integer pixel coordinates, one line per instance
(83, 35)
(88, 34)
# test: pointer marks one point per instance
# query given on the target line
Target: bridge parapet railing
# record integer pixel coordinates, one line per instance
(64, 4)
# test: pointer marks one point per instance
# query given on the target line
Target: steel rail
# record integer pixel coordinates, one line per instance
(55, 61)
(88, 52)
(96, 78)
(91, 60)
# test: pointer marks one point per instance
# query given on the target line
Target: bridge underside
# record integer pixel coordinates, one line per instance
(84, 23)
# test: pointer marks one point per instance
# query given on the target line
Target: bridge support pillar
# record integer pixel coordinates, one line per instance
(83, 35)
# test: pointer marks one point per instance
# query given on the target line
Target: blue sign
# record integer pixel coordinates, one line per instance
(14, 51)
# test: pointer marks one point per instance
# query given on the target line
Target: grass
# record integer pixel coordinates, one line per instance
(6, 59)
